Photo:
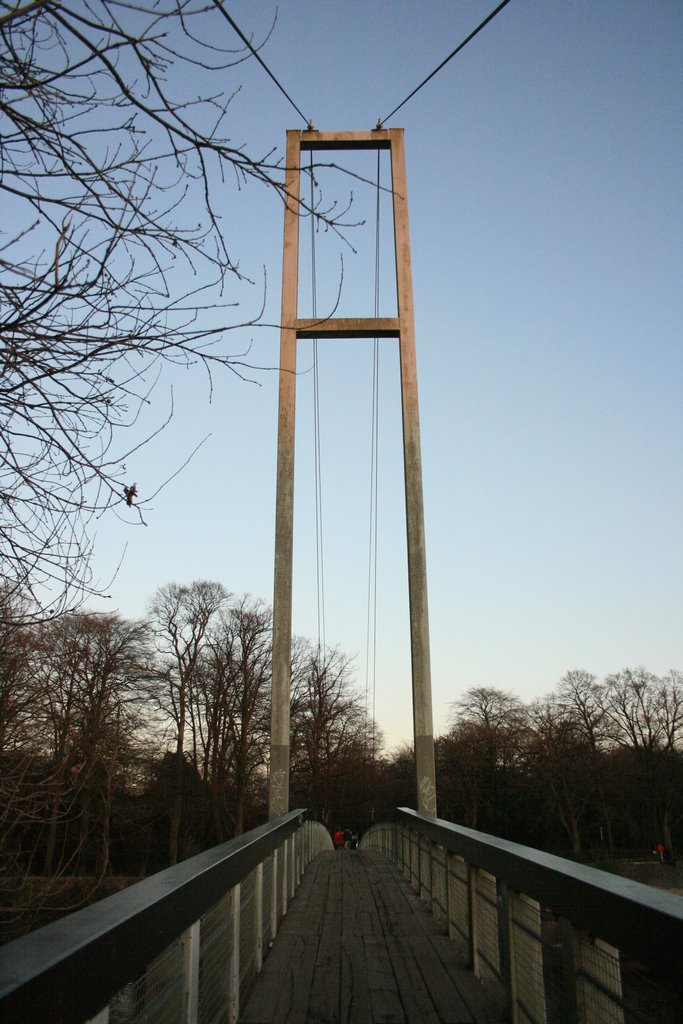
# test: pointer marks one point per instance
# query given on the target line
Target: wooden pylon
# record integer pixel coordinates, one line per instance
(403, 328)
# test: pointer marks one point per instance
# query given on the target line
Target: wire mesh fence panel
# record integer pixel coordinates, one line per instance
(320, 838)
(414, 859)
(392, 839)
(384, 837)
(278, 869)
(458, 903)
(552, 970)
(439, 883)
(527, 946)
(215, 947)
(155, 998)
(599, 990)
(406, 847)
(247, 931)
(424, 868)
(379, 838)
(267, 889)
(487, 921)
(555, 982)
(411, 872)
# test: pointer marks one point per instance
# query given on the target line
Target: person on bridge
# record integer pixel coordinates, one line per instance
(338, 839)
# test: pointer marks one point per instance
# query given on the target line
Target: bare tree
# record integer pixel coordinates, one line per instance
(481, 751)
(114, 152)
(559, 762)
(181, 616)
(582, 699)
(646, 713)
(89, 669)
(21, 796)
(486, 705)
(16, 692)
(330, 734)
(79, 684)
(231, 710)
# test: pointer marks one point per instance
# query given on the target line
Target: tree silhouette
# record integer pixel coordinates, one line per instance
(114, 260)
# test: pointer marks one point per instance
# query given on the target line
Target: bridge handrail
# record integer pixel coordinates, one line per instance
(552, 939)
(623, 912)
(75, 965)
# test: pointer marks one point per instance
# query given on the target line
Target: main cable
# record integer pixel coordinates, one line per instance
(443, 63)
(219, 5)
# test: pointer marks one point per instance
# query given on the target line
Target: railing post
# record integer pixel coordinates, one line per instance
(570, 971)
(415, 859)
(285, 868)
(298, 846)
(433, 899)
(447, 889)
(190, 944)
(407, 852)
(473, 917)
(506, 948)
(292, 867)
(450, 902)
(234, 903)
(258, 917)
(273, 896)
(587, 958)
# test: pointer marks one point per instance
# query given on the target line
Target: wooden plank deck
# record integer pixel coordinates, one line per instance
(357, 947)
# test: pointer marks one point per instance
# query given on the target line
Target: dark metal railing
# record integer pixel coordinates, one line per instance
(564, 942)
(561, 942)
(168, 947)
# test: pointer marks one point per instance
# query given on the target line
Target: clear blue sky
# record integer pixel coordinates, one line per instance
(544, 170)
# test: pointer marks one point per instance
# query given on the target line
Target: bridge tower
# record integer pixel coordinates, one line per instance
(403, 328)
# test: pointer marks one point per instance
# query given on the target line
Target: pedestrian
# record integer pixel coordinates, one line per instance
(338, 839)
(347, 838)
(659, 850)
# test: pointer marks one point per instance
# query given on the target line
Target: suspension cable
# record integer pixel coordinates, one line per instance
(443, 63)
(219, 5)
(319, 558)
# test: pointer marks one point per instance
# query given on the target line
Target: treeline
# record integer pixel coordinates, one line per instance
(127, 746)
(593, 768)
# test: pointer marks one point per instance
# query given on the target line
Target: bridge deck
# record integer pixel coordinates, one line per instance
(357, 946)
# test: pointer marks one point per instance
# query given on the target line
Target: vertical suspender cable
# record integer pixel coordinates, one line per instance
(319, 560)
(371, 643)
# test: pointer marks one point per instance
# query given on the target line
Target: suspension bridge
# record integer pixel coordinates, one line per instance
(426, 922)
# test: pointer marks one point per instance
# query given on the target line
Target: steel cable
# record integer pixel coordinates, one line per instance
(218, 4)
(443, 63)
